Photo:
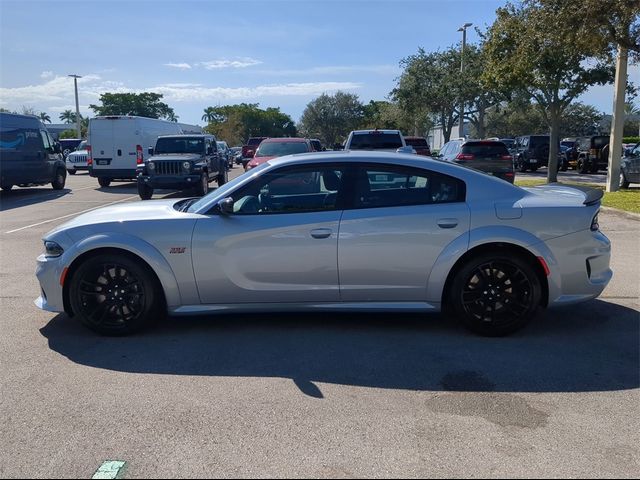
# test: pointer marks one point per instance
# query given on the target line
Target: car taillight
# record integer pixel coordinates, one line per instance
(139, 159)
(595, 226)
(89, 156)
(465, 156)
(507, 157)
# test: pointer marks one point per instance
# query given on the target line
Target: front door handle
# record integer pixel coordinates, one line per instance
(448, 222)
(321, 233)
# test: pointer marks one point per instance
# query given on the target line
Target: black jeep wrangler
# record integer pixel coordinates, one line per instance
(181, 161)
(593, 153)
(531, 152)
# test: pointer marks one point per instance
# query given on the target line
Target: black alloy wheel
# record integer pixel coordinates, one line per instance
(495, 295)
(203, 186)
(113, 295)
(222, 177)
(59, 179)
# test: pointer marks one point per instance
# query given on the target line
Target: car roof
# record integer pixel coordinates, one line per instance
(371, 130)
(285, 140)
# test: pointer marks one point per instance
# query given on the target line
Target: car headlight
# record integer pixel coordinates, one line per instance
(52, 249)
(186, 165)
(151, 166)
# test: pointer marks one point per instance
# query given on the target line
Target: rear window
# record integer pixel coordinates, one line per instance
(485, 149)
(255, 141)
(536, 141)
(375, 140)
(278, 149)
(416, 142)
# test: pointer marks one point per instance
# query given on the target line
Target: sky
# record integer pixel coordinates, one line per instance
(277, 53)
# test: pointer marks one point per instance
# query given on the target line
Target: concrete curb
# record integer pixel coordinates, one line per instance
(621, 213)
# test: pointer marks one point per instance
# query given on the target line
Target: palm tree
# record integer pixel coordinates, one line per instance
(631, 109)
(44, 116)
(68, 116)
(209, 115)
(172, 117)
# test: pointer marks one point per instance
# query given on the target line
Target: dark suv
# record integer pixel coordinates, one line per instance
(593, 153)
(181, 161)
(419, 144)
(531, 152)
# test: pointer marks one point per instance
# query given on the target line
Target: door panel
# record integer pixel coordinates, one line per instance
(386, 254)
(267, 258)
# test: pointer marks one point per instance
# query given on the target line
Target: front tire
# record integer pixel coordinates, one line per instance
(114, 294)
(145, 191)
(104, 181)
(59, 179)
(495, 294)
(203, 187)
(222, 177)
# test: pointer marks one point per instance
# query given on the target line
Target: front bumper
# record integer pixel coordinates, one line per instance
(49, 272)
(170, 181)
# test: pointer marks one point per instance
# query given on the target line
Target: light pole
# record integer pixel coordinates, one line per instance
(462, 29)
(75, 84)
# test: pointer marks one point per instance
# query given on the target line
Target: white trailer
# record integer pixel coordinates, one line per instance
(119, 143)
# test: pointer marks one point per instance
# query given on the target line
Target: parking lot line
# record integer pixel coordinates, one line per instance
(71, 214)
(109, 469)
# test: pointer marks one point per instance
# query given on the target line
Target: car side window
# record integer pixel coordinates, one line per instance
(45, 140)
(291, 190)
(394, 186)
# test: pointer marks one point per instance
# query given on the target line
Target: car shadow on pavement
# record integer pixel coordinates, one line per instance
(590, 347)
(23, 197)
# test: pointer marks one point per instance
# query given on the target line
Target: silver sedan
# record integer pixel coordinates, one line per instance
(336, 231)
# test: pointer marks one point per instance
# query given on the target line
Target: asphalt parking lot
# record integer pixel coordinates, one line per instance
(316, 395)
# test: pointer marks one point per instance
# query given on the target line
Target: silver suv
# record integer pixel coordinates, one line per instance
(77, 160)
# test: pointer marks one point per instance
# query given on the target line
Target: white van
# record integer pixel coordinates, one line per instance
(118, 143)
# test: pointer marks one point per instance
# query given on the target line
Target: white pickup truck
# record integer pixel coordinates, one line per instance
(379, 140)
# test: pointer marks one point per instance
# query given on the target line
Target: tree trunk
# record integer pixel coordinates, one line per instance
(554, 141)
(617, 125)
(480, 127)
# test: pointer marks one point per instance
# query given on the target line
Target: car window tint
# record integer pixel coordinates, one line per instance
(416, 142)
(375, 140)
(395, 186)
(480, 149)
(291, 190)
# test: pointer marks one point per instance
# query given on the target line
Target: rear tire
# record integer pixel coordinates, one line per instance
(495, 294)
(59, 179)
(582, 166)
(71, 172)
(104, 181)
(114, 294)
(222, 177)
(522, 166)
(624, 183)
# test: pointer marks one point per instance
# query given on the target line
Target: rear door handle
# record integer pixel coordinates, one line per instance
(321, 233)
(448, 222)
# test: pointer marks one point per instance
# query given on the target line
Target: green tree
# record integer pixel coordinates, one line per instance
(528, 49)
(145, 104)
(44, 117)
(68, 116)
(330, 118)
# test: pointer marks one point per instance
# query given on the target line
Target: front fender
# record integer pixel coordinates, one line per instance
(136, 246)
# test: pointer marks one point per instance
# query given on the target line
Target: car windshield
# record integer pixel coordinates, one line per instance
(83, 145)
(179, 145)
(375, 140)
(567, 144)
(220, 192)
(278, 149)
(536, 141)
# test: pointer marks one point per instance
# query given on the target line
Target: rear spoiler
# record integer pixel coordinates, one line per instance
(591, 195)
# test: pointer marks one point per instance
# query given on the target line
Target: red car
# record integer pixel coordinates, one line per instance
(419, 144)
(278, 147)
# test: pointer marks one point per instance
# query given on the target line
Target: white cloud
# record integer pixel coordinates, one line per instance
(46, 74)
(182, 66)
(179, 94)
(239, 63)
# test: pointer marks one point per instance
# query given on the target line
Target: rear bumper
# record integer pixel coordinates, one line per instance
(581, 269)
(113, 173)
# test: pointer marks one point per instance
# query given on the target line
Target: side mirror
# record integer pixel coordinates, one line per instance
(225, 206)
(57, 148)
(150, 150)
